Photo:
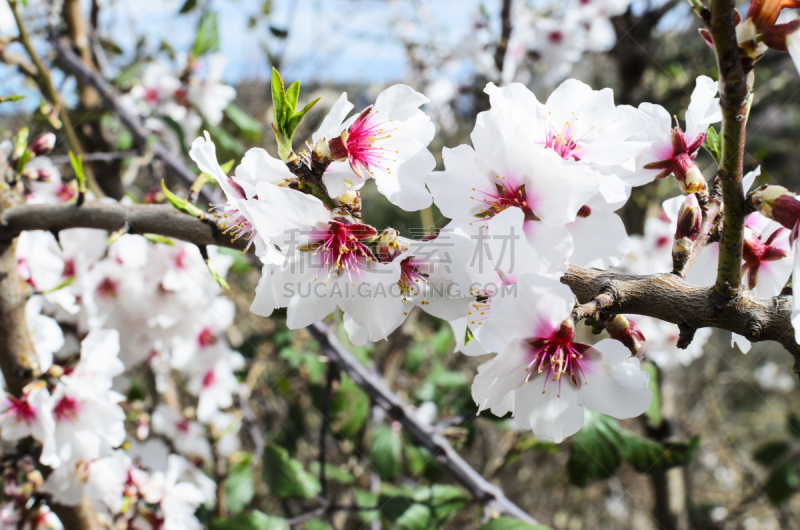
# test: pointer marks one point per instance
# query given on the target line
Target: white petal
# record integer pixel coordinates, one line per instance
(703, 108)
(552, 415)
(332, 124)
(616, 385)
(600, 240)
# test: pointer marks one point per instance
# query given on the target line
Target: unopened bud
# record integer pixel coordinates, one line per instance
(694, 182)
(584, 212)
(338, 147)
(627, 332)
(390, 245)
(689, 219)
(43, 145)
(41, 174)
(347, 197)
(566, 331)
(778, 204)
(55, 371)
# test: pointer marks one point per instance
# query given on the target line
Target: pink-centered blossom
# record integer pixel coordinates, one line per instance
(543, 376)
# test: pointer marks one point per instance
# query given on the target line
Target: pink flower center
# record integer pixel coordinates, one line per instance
(21, 410)
(206, 337)
(231, 220)
(556, 356)
(182, 426)
(562, 142)
(505, 195)
(69, 269)
(151, 96)
(67, 408)
(209, 379)
(361, 148)
(107, 288)
(341, 249)
(410, 276)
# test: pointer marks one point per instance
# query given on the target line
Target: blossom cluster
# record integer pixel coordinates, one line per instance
(108, 314)
(535, 193)
(168, 102)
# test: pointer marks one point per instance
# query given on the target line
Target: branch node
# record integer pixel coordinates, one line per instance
(686, 335)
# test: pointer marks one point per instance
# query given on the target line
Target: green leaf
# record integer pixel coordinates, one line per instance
(334, 473)
(713, 144)
(285, 119)
(647, 456)
(509, 523)
(318, 524)
(793, 425)
(20, 142)
(770, 452)
(292, 93)
(298, 117)
(278, 98)
(77, 167)
(349, 408)
(250, 521)
(384, 452)
(442, 342)
(247, 127)
(181, 204)
(11, 98)
(217, 277)
(23, 160)
(239, 486)
(286, 477)
(416, 517)
(207, 38)
(157, 238)
(782, 483)
(596, 450)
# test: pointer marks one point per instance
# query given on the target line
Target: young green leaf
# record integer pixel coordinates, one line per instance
(77, 167)
(207, 38)
(250, 521)
(509, 523)
(713, 144)
(180, 204)
(647, 456)
(11, 98)
(156, 238)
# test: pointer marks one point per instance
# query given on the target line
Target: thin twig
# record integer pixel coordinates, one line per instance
(51, 94)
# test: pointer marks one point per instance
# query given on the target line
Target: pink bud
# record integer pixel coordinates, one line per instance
(627, 332)
(44, 144)
(778, 204)
(689, 219)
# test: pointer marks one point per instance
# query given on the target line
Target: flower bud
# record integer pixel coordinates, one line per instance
(693, 182)
(689, 219)
(390, 245)
(347, 197)
(584, 212)
(627, 332)
(43, 145)
(338, 147)
(778, 204)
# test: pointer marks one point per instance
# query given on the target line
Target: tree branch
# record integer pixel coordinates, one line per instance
(733, 89)
(371, 383)
(74, 65)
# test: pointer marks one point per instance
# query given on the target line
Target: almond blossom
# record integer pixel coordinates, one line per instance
(672, 150)
(387, 141)
(545, 378)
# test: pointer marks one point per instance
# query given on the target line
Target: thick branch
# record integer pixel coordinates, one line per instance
(669, 298)
(733, 99)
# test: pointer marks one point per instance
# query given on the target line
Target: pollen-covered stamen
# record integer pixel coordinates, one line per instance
(341, 249)
(21, 410)
(558, 356)
(363, 144)
(231, 220)
(480, 305)
(563, 142)
(411, 278)
(505, 195)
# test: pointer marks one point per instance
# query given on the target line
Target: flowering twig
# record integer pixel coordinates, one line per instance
(74, 65)
(734, 91)
(50, 92)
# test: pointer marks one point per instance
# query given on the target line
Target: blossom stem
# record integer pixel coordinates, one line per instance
(709, 222)
(734, 91)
